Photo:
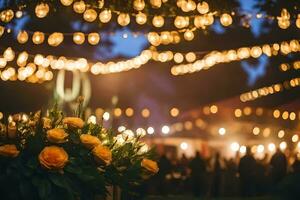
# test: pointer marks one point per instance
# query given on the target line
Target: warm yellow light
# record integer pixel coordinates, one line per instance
(174, 112)
(222, 131)
(181, 22)
(22, 37)
(78, 38)
(178, 58)
(156, 3)
(260, 148)
(282, 146)
(247, 111)
(295, 138)
(105, 16)
(285, 115)
(66, 2)
(138, 5)
(266, 132)
(55, 39)
(123, 19)
(129, 112)
(276, 114)
(226, 19)
(184, 146)
(145, 113)
(256, 131)
(93, 38)
(90, 15)
(271, 147)
(214, 109)
(188, 35)
(150, 130)
(158, 21)
(165, 130)
(117, 112)
(238, 112)
(203, 7)
(41, 10)
(38, 37)
(281, 134)
(141, 18)
(292, 116)
(79, 7)
(234, 146)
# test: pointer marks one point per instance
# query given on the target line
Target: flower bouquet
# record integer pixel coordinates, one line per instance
(58, 157)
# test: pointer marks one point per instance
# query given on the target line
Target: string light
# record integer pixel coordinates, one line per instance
(66, 2)
(203, 7)
(226, 19)
(42, 10)
(105, 16)
(90, 15)
(93, 38)
(123, 19)
(284, 19)
(22, 37)
(158, 21)
(269, 90)
(141, 18)
(79, 7)
(217, 57)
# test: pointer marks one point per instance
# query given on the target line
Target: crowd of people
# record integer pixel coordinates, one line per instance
(216, 176)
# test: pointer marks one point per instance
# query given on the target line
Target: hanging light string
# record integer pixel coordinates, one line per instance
(289, 66)
(57, 63)
(217, 57)
(182, 23)
(269, 90)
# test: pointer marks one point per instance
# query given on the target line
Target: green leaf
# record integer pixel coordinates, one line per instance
(25, 189)
(44, 188)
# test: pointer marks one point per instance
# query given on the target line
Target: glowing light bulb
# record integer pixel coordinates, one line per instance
(184, 146)
(105, 16)
(158, 21)
(22, 37)
(226, 19)
(150, 130)
(90, 15)
(78, 38)
(165, 130)
(42, 10)
(141, 18)
(234, 146)
(222, 131)
(106, 116)
(123, 19)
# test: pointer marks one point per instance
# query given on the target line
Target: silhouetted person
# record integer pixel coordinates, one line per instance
(165, 168)
(296, 166)
(197, 166)
(217, 175)
(247, 171)
(278, 166)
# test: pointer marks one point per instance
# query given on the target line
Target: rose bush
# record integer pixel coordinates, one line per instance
(58, 157)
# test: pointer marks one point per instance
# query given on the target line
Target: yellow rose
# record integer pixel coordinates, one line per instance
(12, 130)
(57, 135)
(89, 141)
(150, 165)
(53, 157)
(46, 123)
(73, 122)
(102, 153)
(9, 150)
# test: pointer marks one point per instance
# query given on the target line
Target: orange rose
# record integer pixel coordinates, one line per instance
(9, 150)
(57, 135)
(89, 141)
(73, 122)
(150, 165)
(102, 153)
(53, 157)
